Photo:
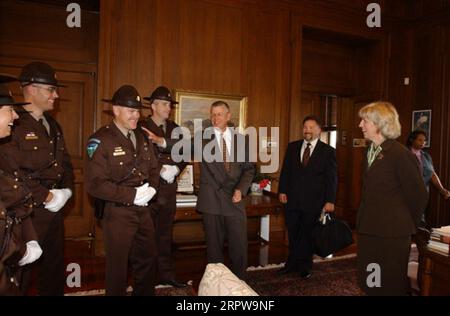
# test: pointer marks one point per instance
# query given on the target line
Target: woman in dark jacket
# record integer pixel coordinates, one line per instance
(393, 198)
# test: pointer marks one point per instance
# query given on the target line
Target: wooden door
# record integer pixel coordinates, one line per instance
(350, 157)
(75, 112)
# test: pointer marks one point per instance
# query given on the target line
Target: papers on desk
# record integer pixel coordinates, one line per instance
(186, 200)
(440, 240)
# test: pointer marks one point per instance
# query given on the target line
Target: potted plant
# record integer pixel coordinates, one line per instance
(261, 181)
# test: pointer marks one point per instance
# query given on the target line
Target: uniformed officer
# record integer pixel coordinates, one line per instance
(164, 208)
(122, 170)
(18, 239)
(37, 145)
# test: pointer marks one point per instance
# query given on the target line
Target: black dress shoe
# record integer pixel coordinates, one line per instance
(305, 274)
(174, 283)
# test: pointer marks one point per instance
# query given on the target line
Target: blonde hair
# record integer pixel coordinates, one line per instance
(384, 116)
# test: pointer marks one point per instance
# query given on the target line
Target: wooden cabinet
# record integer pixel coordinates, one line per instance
(187, 214)
(436, 274)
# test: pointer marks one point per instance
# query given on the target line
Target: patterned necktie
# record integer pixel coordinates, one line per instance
(306, 154)
(226, 162)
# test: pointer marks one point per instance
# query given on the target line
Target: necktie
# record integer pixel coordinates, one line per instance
(226, 162)
(162, 127)
(306, 154)
(131, 138)
(46, 126)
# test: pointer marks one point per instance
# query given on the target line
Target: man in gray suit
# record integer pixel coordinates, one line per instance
(223, 184)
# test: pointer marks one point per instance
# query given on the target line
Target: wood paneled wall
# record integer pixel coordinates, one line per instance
(230, 47)
(37, 32)
(420, 51)
(258, 49)
(431, 75)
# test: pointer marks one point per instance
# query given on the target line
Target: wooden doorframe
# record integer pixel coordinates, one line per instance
(381, 39)
(80, 223)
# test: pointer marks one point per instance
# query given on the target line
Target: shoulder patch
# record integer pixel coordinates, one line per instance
(92, 146)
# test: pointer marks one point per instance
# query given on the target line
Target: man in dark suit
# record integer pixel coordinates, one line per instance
(223, 184)
(307, 187)
(164, 207)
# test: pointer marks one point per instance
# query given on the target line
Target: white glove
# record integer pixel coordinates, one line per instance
(32, 253)
(60, 197)
(144, 193)
(169, 172)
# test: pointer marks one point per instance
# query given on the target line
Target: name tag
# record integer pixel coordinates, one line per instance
(31, 136)
(119, 153)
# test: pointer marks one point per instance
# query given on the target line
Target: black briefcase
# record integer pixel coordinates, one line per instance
(331, 235)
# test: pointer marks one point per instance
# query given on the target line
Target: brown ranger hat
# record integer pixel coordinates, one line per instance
(161, 93)
(38, 72)
(6, 95)
(126, 96)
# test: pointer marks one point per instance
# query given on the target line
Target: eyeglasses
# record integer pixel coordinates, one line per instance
(50, 89)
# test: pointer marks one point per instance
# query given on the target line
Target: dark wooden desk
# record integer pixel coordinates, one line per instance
(255, 205)
(436, 274)
(188, 227)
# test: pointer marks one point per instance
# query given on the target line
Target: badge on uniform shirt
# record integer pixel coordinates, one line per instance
(31, 136)
(92, 146)
(118, 151)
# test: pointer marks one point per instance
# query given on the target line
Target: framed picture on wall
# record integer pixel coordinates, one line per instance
(421, 120)
(196, 105)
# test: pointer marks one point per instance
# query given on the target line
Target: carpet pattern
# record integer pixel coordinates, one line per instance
(160, 290)
(172, 291)
(330, 278)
